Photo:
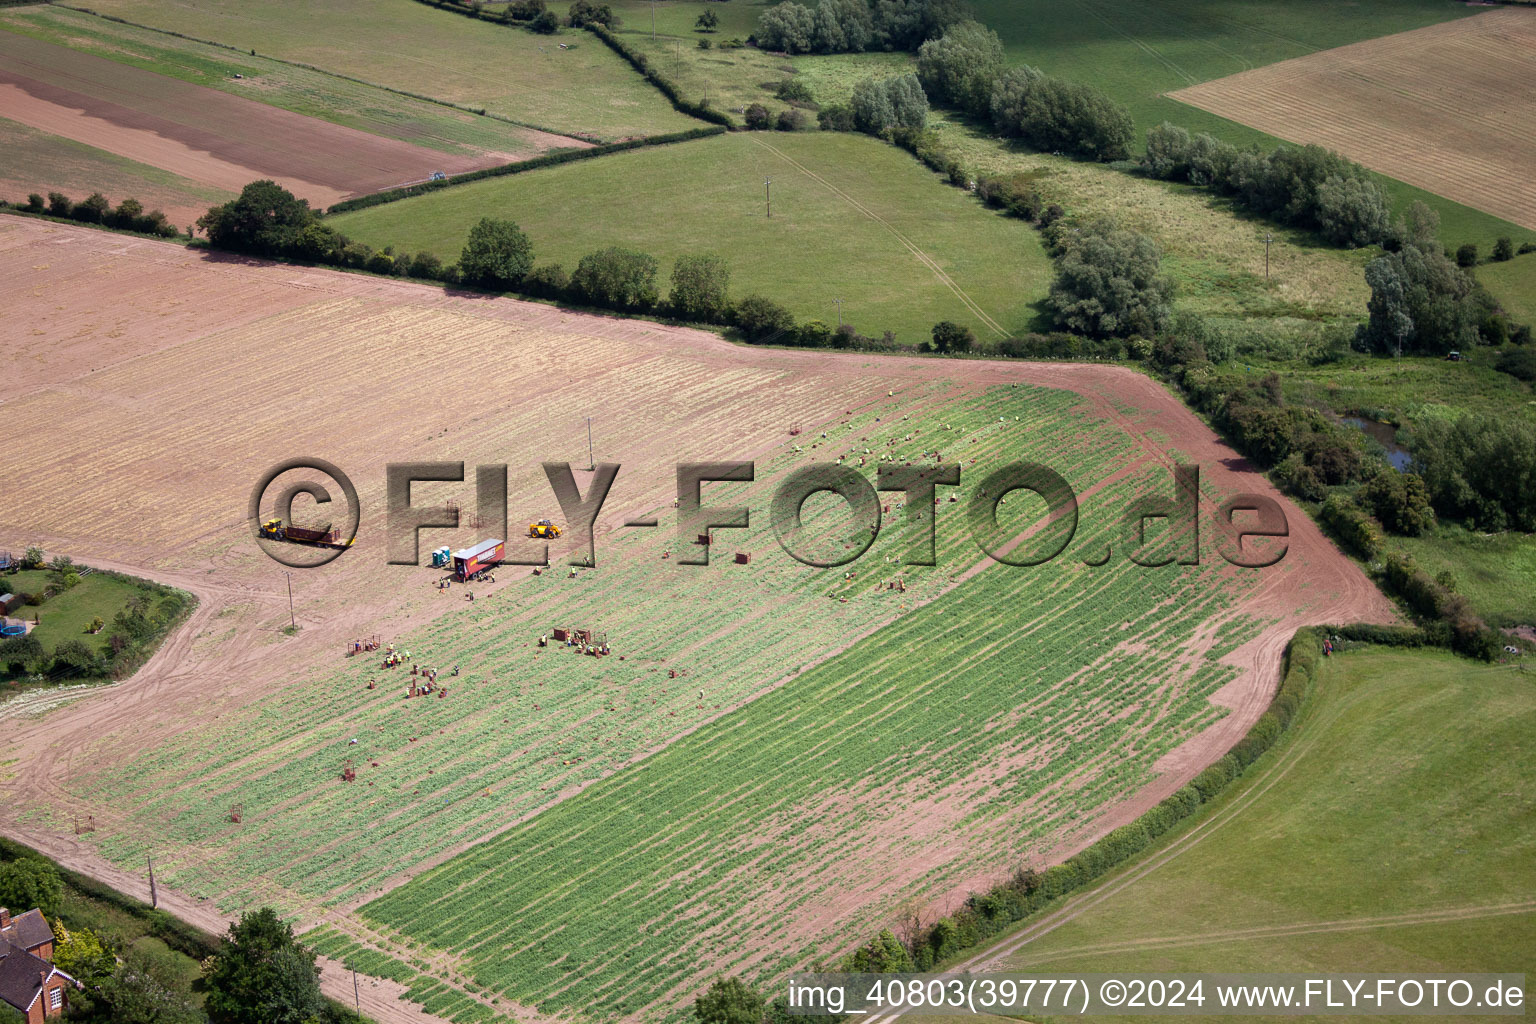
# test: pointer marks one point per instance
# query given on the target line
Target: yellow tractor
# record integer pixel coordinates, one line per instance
(272, 528)
(543, 529)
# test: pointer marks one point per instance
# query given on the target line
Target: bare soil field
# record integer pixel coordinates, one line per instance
(42, 162)
(175, 377)
(1450, 108)
(203, 134)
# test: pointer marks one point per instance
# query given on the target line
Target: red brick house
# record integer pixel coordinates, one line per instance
(28, 980)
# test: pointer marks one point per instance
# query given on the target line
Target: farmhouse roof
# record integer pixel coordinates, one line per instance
(28, 930)
(478, 549)
(23, 976)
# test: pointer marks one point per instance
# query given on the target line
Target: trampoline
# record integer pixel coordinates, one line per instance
(13, 629)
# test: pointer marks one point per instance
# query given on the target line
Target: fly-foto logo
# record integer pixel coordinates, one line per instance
(1235, 521)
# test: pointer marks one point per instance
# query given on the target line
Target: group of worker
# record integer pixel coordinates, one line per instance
(359, 646)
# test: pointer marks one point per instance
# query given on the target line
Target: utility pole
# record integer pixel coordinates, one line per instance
(154, 897)
(292, 622)
(591, 462)
(653, 21)
(839, 311)
(1267, 239)
(768, 195)
(357, 1000)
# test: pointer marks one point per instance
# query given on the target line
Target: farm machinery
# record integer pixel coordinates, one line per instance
(543, 530)
(325, 537)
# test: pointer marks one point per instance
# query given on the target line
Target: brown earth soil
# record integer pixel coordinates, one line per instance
(172, 377)
(1450, 108)
(206, 135)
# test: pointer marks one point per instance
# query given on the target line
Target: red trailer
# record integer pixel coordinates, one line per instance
(485, 555)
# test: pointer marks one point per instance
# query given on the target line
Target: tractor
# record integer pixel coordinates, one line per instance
(272, 528)
(543, 529)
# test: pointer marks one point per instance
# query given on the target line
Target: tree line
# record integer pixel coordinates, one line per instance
(128, 215)
(963, 67)
(853, 26)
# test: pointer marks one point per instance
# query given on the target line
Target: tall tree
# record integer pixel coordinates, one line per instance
(262, 975)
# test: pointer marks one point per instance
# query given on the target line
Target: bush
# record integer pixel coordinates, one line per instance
(700, 288)
(1015, 194)
(1352, 526)
(1503, 249)
(546, 23)
(59, 204)
(757, 117)
(616, 278)
(790, 120)
(762, 320)
(525, 10)
(1400, 501)
(706, 22)
(1519, 363)
(93, 210)
(952, 337)
(31, 883)
(1466, 254)
(793, 90)
(549, 281)
(836, 118)
(1109, 283)
(35, 204)
(585, 12)
(497, 255)
(427, 266)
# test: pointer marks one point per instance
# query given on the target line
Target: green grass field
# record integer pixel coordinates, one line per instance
(848, 212)
(1216, 254)
(1403, 789)
(1406, 391)
(312, 93)
(586, 89)
(68, 614)
(1513, 283)
(1496, 573)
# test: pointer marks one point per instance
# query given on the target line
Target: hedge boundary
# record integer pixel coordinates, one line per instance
(247, 51)
(555, 159)
(988, 914)
(638, 61)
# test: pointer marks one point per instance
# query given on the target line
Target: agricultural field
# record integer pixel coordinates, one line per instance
(1392, 831)
(853, 219)
(1513, 283)
(220, 140)
(312, 93)
(831, 691)
(581, 88)
(1399, 105)
(1139, 51)
(1213, 252)
(35, 161)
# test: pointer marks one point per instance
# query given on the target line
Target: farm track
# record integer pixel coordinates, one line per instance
(200, 673)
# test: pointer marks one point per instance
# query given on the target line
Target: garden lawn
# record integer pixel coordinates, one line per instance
(68, 614)
(848, 213)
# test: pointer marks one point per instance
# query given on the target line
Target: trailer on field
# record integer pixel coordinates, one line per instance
(485, 555)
